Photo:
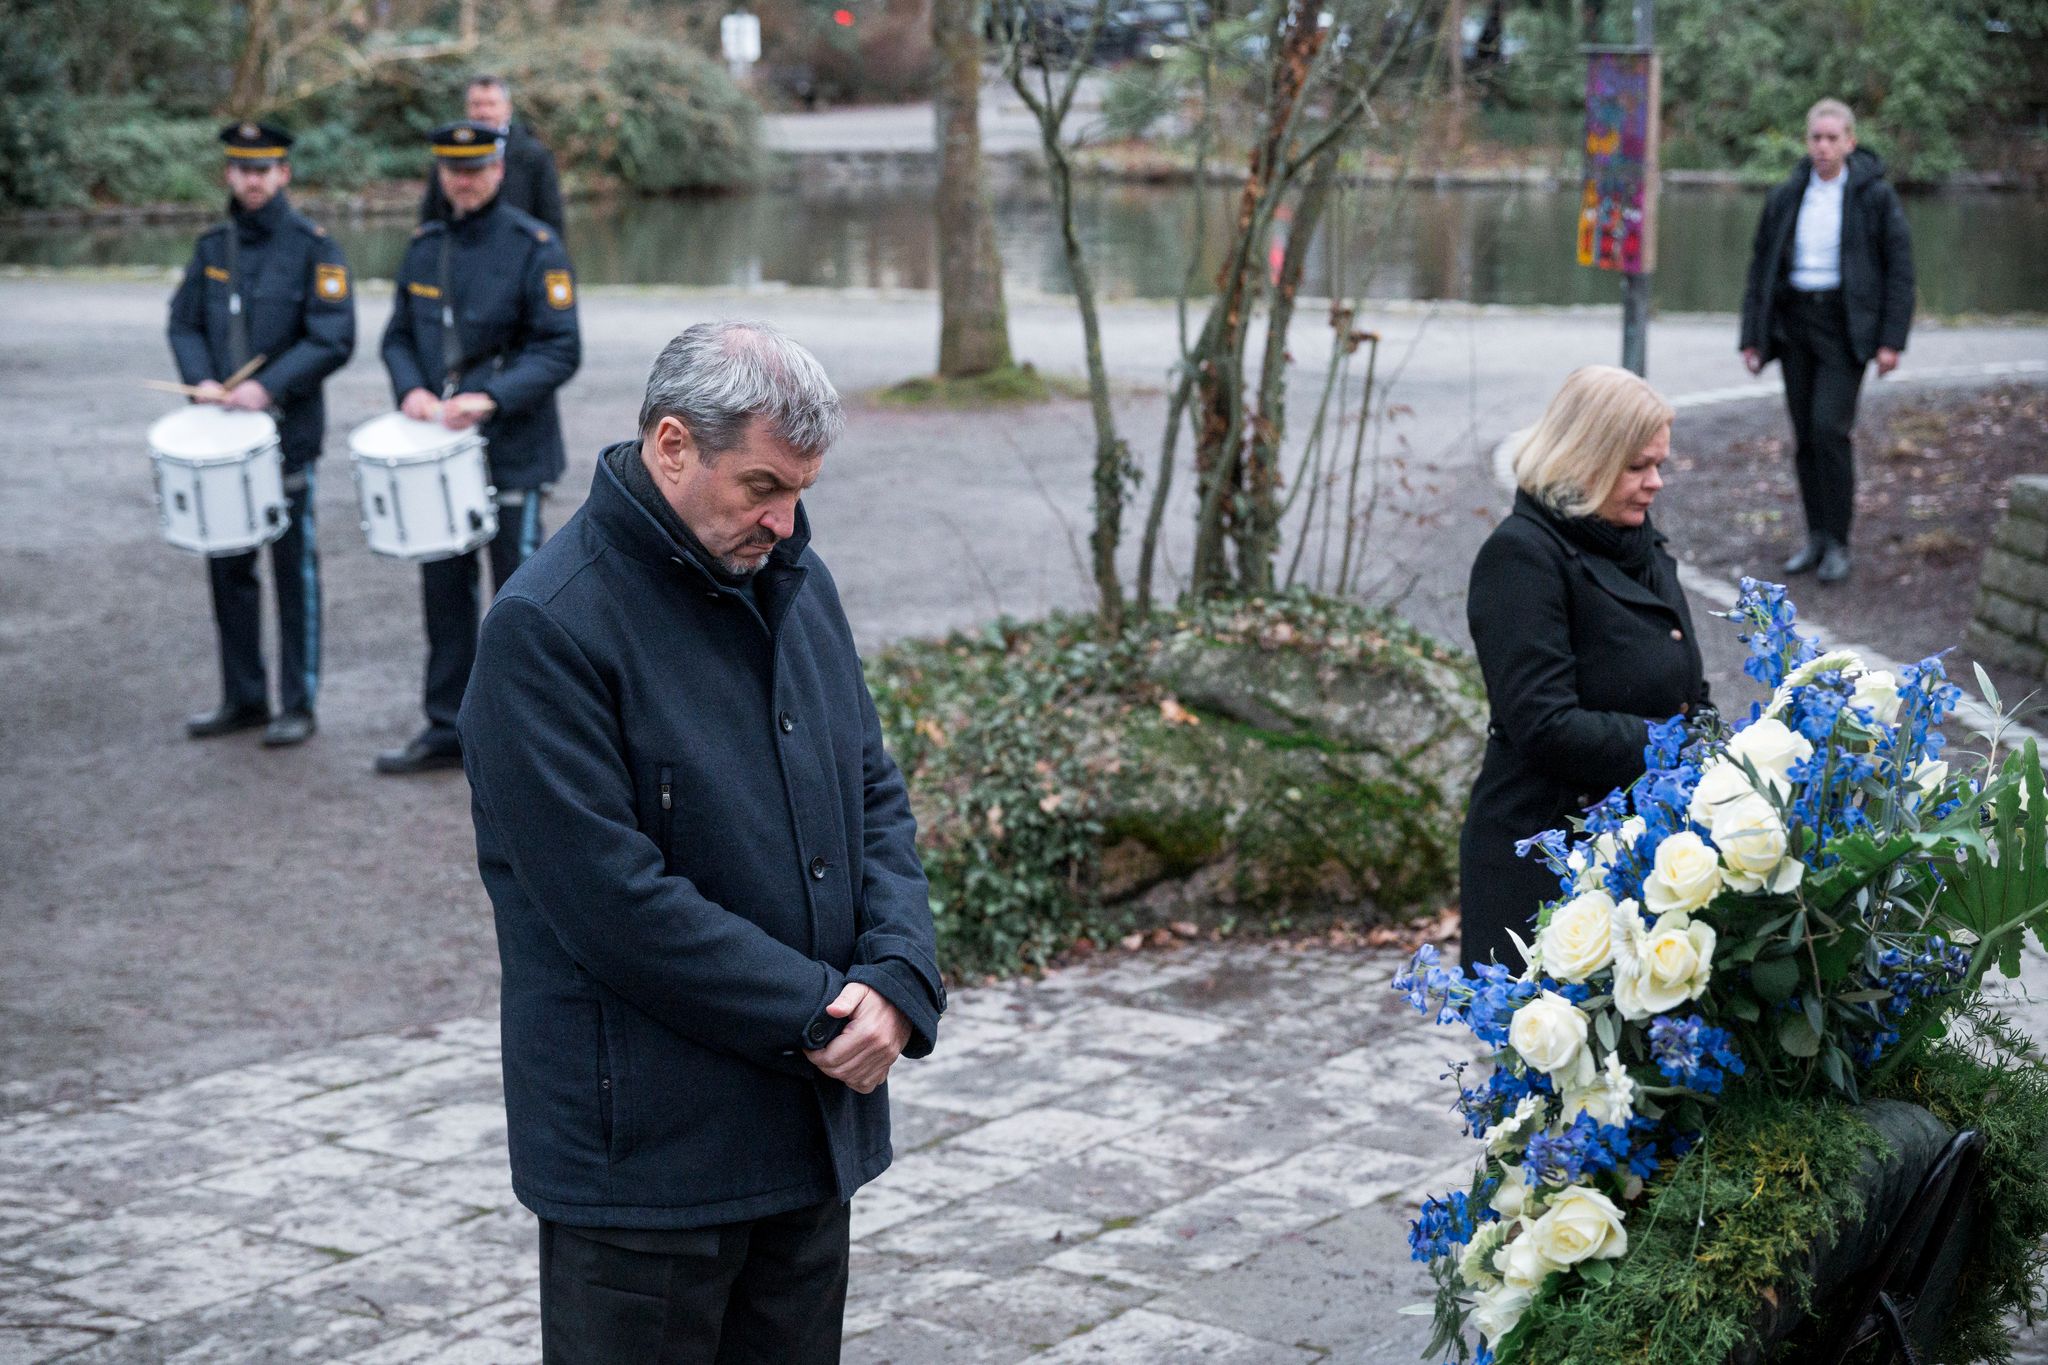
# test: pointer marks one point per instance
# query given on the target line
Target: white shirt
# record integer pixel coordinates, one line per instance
(1817, 240)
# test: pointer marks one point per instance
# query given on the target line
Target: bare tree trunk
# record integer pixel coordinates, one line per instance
(467, 28)
(1113, 472)
(974, 331)
(245, 95)
(1454, 57)
(1258, 531)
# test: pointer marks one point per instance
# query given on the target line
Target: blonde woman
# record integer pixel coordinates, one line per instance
(1583, 636)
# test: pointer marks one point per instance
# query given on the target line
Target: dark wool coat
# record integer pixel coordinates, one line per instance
(516, 333)
(692, 839)
(1578, 658)
(298, 305)
(531, 185)
(1877, 260)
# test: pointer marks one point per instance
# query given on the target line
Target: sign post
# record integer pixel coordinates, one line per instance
(739, 33)
(1618, 200)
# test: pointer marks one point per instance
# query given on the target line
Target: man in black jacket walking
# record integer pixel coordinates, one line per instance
(531, 185)
(1830, 289)
(715, 932)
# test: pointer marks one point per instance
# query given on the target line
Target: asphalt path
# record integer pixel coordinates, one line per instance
(170, 908)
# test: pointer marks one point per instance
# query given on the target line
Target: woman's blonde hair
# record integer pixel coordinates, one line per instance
(1599, 421)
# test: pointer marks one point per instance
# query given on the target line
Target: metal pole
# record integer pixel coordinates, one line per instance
(1635, 289)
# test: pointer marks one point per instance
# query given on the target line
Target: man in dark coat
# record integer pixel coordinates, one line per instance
(715, 932)
(483, 332)
(531, 185)
(1830, 289)
(267, 283)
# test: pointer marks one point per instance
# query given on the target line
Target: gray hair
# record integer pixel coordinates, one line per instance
(496, 82)
(717, 377)
(1832, 108)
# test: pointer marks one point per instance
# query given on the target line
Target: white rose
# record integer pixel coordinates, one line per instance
(1512, 1195)
(1581, 1224)
(1509, 1132)
(1878, 694)
(1684, 876)
(1475, 1267)
(1610, 1099)
(1657, 970)
(1575, 944)
(1754, 847)
(1495, 1312)
(1721, 784)
(1521, 1263)
(1771, 748)
(1549, 1033)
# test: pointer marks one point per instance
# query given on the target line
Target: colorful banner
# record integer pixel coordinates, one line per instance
(1618, 204)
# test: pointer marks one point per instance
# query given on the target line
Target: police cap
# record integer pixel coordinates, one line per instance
(255, 145)
(466, 142)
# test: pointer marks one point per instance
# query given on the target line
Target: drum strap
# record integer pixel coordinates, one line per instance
(451, 341)
(238, 319)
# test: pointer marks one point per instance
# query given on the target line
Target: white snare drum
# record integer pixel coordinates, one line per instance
(219, 479)
(426, 491)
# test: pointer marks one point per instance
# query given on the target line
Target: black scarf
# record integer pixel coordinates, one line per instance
(1632, 548)
(624, 459)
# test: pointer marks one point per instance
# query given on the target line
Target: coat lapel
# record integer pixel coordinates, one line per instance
(1617, 583)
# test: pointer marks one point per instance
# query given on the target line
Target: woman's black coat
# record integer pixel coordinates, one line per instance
(1578, 658)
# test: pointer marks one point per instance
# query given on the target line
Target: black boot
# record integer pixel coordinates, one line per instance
(225, 720)
(418, 756)
(1808, 559)
(293, 727)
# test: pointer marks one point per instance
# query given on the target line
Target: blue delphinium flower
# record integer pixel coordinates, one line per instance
(1692, 1053)
(1667, 741)
(1485, 1002)
(1445, 1223)
(1775, 645)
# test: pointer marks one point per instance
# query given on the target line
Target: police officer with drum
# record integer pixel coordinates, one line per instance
(483, 332)
(268, 286)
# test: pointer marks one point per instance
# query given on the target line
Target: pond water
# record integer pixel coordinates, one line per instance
(1975, 253)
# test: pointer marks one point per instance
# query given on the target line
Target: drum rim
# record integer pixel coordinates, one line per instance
(456, 444)
(231, 457)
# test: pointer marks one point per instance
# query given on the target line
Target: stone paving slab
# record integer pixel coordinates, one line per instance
(1206, 1154)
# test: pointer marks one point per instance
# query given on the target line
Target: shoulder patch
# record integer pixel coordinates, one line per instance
(330, 282)
(561, 290)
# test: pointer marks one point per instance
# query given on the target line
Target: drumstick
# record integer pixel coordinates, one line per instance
(255, 364)
(165, 386)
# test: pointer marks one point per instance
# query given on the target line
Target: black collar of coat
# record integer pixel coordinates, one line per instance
(1609, 575)
(629, 527)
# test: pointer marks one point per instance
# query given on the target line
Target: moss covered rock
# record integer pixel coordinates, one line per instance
(1272, 757)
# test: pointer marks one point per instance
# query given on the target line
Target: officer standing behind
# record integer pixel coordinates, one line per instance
(483, 331)
(1830, 290)
(530, 180)
(269, 283)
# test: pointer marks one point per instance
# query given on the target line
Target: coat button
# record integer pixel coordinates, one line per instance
(815, 1034)
(786, 721)
(1677, 634)
(817, 869)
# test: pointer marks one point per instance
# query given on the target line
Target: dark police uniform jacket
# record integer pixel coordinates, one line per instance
(516, 339)
(298, 305)
(1578, 658)
(531, 185)
(692, 838)
(1877, 260)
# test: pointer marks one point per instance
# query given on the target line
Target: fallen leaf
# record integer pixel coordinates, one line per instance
(1173, 713)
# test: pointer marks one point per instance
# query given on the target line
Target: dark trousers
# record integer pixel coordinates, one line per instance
(767, 1292)
(452, 599)
(238, 612)
(1822, 380)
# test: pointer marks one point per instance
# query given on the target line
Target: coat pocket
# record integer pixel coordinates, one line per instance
(665, 821)
(604, 1084)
